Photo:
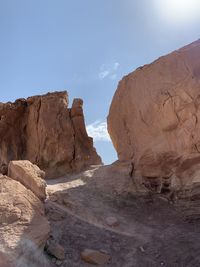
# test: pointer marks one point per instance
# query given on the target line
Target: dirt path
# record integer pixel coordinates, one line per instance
(150, 230)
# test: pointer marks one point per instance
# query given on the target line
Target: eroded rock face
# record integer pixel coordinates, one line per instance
(22, 218)
(154, 120)
(29, 175)
(44, 130)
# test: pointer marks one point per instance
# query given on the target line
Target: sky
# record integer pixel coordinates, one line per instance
(86, 47)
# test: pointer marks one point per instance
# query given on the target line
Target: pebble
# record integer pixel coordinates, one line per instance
(53, 260)
(112, 221)
(95, 257)
(56, 250)
(58, 262)
(142, 249)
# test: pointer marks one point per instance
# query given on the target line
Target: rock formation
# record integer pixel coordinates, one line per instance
(154, 121)
(22, 218)
(24, 228)
(44, 130)
(29, 175)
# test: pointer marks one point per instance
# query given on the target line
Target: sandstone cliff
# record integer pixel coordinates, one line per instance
(44, 130)
(154, 120)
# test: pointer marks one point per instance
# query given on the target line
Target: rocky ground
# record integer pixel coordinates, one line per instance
(134, 231)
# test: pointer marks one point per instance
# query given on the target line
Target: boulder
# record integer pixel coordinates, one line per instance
(154, 120)
(44, 130)
(23, 225)
(29, 175)
(56, 250)
(95, 257)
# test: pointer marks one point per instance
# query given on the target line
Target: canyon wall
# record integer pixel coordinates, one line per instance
(154, 120)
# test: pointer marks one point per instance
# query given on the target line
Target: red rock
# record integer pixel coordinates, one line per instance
(29, 175)
(45, 131)
(154, 119)
(56, 250)
(22, 217)
(95, 257)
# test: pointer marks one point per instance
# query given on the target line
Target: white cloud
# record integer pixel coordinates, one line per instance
(103, 74)
(98, 130)
(109, 71)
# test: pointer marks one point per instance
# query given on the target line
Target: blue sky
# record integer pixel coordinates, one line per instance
(86, 47)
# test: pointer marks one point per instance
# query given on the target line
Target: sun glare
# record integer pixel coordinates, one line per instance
(178, 11)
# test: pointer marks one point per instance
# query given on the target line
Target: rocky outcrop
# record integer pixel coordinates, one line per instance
(44, 130)
(29, 175)
(22, 219)
(24, 229)
(154, 121)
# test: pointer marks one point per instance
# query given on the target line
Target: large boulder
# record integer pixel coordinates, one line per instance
(154, 120)
(22, 219)
(44, 130)
(29, 175)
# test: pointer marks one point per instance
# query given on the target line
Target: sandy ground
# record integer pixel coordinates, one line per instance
(151, 230)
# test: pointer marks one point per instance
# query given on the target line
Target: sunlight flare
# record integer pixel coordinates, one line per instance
(178, 11)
